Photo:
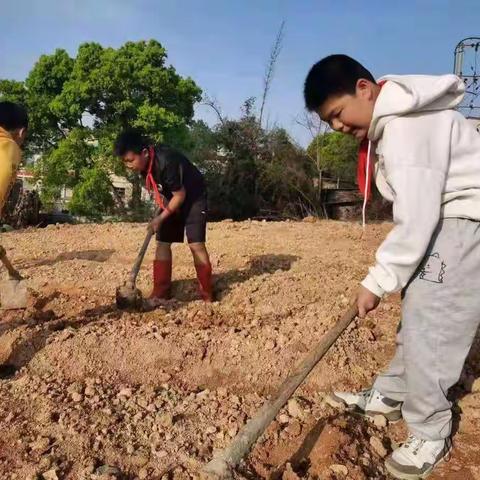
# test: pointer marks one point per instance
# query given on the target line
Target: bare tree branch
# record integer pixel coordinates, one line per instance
(267, 81)
(316, 127)
(213, 104)
(62, 131)
(312, 122)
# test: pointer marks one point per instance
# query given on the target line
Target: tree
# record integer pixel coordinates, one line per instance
(336, 153)
(286, 183)
(131, 86)
(92, 196)
(252, 171)
(78, 105)
(63, 166)
(202, 144)
(316, 128)
(270, 69)
(241, 146)
(38, 92)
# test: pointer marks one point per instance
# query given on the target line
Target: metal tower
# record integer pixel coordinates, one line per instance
(467, 67)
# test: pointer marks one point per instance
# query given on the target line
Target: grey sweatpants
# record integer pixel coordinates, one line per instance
(440, 316)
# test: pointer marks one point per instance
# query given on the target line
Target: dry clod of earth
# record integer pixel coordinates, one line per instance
(50, 475)
(77, 397)
(283, 419)
(89, 392)
(380, 421)
(341, 470)
(294, 408)
(378, 447)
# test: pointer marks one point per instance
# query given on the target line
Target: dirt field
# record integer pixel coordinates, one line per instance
(90, 392)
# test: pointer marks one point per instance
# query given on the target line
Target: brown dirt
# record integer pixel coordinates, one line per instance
(154, 394)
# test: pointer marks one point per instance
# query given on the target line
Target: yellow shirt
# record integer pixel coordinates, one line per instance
(10, 157)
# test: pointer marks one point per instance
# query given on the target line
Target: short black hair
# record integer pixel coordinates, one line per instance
(333, 75)
(13, 116)
(131, 140)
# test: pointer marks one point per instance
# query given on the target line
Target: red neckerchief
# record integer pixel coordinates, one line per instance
(150, 183)
(365, 189)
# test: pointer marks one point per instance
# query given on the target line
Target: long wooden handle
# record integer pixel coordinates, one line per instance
(6, 262)
(220, 466)
(138, 261)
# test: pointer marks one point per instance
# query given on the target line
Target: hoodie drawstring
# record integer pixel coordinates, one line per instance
(365, 170)
(367, 187)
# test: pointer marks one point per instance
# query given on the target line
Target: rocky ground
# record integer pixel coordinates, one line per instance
(90, 392)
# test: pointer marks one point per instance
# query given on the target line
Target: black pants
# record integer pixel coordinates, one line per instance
(191, 218)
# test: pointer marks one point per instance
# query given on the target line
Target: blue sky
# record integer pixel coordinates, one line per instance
(224, 45)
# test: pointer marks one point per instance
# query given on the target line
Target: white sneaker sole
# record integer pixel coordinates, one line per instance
(399, 475)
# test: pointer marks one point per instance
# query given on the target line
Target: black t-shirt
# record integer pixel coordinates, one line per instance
(172, 170)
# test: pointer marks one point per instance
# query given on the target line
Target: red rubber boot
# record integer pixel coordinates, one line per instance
(162, 279)
(204, 276)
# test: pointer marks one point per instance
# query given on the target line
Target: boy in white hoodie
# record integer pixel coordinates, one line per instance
(428, 165)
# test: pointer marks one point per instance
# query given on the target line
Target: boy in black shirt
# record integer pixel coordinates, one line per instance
(179, 190)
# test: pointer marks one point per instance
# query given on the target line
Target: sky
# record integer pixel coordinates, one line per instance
(224, 45)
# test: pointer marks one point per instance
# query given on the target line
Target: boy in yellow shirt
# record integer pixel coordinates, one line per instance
(13, 130)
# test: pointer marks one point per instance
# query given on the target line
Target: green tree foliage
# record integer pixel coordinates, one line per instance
(63, 166)
(337, 154)
(92, 196)
(240, 145)
(38, 92)
(78, 105)
(201, 143)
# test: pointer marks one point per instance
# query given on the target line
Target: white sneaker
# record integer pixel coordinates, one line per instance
(370, 403)
(415, 459)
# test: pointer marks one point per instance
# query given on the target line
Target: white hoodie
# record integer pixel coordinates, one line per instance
(428, 166)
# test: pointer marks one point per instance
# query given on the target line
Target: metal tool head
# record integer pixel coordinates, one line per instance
(129, 297)
(13, 294)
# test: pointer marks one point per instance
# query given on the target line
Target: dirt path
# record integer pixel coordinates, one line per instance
(152, 395)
